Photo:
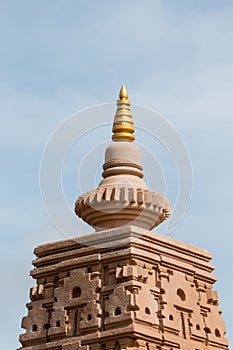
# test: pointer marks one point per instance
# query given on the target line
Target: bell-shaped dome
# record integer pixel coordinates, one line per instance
(122, 197)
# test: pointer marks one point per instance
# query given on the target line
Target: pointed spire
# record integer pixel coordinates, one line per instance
(123, 94)
(122, 197)
(123, 126)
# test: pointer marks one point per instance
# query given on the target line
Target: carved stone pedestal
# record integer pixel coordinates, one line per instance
(123, 289)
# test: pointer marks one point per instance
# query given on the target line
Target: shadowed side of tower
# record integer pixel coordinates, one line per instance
(123, 287)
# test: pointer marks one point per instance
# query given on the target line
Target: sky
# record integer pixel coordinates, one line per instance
(60, 57)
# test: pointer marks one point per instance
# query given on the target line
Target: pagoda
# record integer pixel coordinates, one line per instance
(123, 287)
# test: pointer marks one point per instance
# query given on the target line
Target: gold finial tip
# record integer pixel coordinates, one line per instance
(123, 93)
(123, 127)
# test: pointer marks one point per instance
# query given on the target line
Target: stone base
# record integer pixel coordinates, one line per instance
(123, 289)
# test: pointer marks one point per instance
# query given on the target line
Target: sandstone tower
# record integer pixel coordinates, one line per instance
(123, 287)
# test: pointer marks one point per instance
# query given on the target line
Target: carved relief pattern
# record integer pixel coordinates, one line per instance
(169, 305)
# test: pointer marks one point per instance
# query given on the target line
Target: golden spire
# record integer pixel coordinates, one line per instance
(123, 126)
(123, 94)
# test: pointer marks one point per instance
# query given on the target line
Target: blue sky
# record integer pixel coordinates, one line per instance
(58, 57)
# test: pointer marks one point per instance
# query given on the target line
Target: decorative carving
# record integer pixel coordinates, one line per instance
(118, 306)
(163, 301)
(79, 288)
(59, 323)
(37, 292)
(91, 316)
(147, 305)
(36, 324)
(214, 325)
(131, 272)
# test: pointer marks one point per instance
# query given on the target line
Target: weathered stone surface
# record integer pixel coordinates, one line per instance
(131, 289)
